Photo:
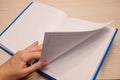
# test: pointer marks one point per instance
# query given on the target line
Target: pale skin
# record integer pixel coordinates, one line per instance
(16, 67)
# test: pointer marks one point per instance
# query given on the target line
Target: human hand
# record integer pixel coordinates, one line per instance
(16, 67)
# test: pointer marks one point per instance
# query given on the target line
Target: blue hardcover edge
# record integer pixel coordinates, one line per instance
(106, 53)
(11, 53)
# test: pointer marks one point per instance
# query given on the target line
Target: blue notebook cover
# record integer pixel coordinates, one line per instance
(44, 74)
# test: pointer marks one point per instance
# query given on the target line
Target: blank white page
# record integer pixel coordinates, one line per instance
(57, 43)
(67, 35)
(81, 62)
(78, 25)
(31, 25)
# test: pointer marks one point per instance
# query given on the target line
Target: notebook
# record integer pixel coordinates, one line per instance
(74, 48)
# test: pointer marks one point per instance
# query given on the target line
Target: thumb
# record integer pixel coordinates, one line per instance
(36, 66)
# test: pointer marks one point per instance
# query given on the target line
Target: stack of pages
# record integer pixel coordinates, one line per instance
(74, 48)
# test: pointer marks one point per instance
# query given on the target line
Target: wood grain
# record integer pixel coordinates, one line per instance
(92, 10)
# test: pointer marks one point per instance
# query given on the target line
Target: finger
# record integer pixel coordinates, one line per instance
(32, 56)
(36, 66)
(33, 44)
(34, 48)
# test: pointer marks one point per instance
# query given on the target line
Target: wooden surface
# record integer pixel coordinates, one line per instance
(93, 10)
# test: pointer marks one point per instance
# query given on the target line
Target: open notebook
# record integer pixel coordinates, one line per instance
(74, 48)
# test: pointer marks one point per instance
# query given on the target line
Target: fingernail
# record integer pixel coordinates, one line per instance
(45, 62)
(35, 43)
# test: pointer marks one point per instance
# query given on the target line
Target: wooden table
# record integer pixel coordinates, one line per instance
(92, 10)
